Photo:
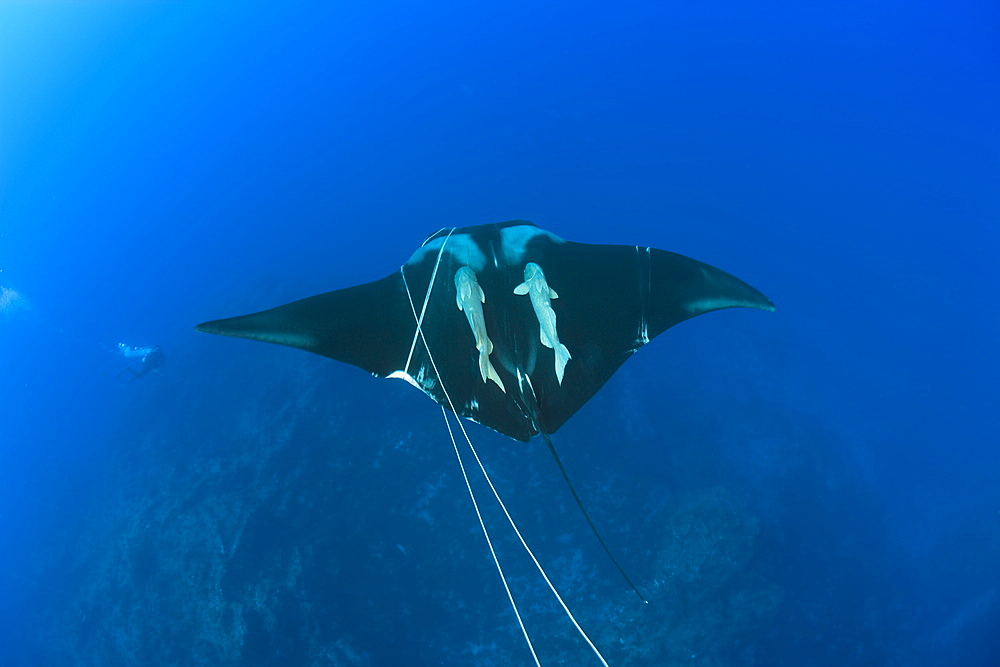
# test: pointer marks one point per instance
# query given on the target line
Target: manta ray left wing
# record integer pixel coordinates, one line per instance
(367, 326)
(509, 325)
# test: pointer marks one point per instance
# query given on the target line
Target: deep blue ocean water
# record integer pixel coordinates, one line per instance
(816, 486)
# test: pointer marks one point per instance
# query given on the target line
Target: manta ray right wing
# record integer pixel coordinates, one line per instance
(615, 299)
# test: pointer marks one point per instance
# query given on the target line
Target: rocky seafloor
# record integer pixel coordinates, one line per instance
(317, 517)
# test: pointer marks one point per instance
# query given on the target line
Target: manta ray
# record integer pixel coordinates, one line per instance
(506, 325)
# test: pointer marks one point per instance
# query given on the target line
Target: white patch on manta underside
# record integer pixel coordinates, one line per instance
(514, 241)
(422, 382)
(403, 375)
(461, 248)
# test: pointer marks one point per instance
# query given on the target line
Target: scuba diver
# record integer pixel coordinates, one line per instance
(150, 358)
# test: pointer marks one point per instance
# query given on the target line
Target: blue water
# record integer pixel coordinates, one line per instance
(817, 486)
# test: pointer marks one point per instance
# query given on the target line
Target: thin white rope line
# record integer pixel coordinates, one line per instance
(496, 495)
(524, 544)
(427, 298)
(486, 534)
(409, 297)
(468, 485)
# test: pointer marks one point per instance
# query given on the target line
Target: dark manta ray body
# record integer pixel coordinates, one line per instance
(505, 324)
(611, 301)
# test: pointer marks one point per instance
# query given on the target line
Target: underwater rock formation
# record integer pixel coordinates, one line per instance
(285, 529)
(708, 602)
(200, 552)
(714, 600)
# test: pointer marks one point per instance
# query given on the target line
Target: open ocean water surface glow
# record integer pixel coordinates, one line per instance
(817, 486)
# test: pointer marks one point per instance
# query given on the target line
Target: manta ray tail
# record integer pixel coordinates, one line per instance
(583, 510)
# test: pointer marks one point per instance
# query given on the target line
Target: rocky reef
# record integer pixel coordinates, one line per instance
(274, 529)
